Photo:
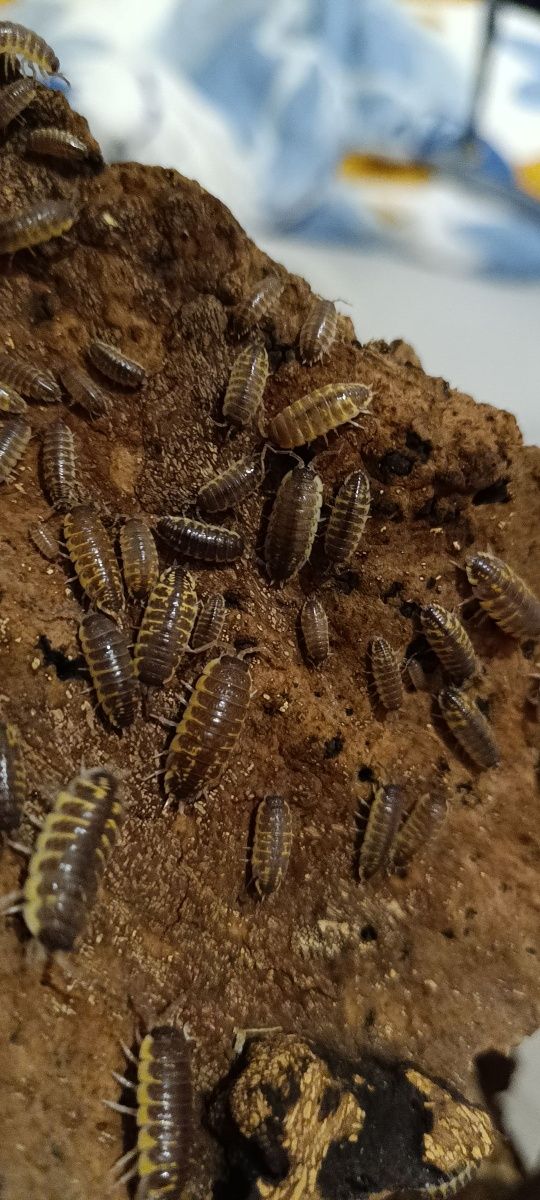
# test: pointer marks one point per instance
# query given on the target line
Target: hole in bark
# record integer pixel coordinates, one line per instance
(368, 933)
(496, 493)
(347, 583)
(449, 933)
(365, 775)
(392, 590)
(395, 463)
(410, 609)
(233, 600)
(422, 447)
(333, 746)
(65, 667)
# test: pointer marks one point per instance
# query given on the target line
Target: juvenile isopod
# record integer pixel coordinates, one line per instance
(384, 816)
(115, 365)
(10, 401)
(211, 544)
(504, 595)
(318, 413)
(34, 382)
(450, 641)
(139, 558)
(14, 98)
(209, 624)
(59, 466)
(14, 437)
(165, 629)
(106, 650)
(45, 540)
(293, 523)
(12, 779)
(420, 827)
(469, 727)
(314, 626)
(348, 517)
(272, 840)
(19, 43)
(84, 392)
(209, 729)
(50, 142)
(245, 389)
(39, 223)
(232, 485)
(91, 552)
(258, 303)
(318, 333)
(386, 674)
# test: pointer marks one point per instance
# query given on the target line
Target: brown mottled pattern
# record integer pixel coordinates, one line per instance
(314, 625)
(469, 727)
(348, 517)
(293, 523)
(140, 560)
(318, 333)
(92, 554)
(164, 1113)
(106, 650)
(14, 437)
(209, 728)
(318, 413)
(14, 98)
(115, 365)
(84, 392)
(206, 543)
(59, 466)
(209, 623)
(420, 827)
(165, 629)
(384, 817)
(386, 674)
(28, 379)
(12, 779)
(232, 485)
(245, 389)
(257, 303)
(504, 595)
(271, 844)
(38, 223)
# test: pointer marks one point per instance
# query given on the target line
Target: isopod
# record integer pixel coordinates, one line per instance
(348, 517)
(318, 333)
(209, 729)
(469, 727)
(383, 820)
(450, 641)
(18, 42)
(14, 98)
(245, 389)
(386, 674)
(84, 392)
(59, 466)
(51, 142)
(45, 540)
(165, 629)
(106, 650)
(92, 555)
(34, 382)
(212, 544)
(39, 223)
(503, 594)
(314, 625)
(232, 485)
(115, 365)
(14, 437)
(139, 558)
(10, 401)
(258, 303)
(421, 825)
(209, 624)
(12, 779)
(318, 413)
(293, 523)
(272, 842)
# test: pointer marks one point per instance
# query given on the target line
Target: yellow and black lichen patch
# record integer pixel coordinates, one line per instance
(297, 1121)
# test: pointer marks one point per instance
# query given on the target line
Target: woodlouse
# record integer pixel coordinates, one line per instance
(106, 650)
(469, 727)
(503, 594)
(245, 389)
(115, 365)
(420, 827)
(93, 557)
(14, 98)
(318, 333)
(232, 485)
(348, 517)
(318, 413)
(165, 629)
(70, 857)
(59, 466)
(293, 523)
(272, 841)
(38, 223)
(258, 303)
(18, 42)
(209, 729)
(314, 626)
(209, 624)
(51, 142)
(34, 382)
(14, 437)
(450, 641)
(12, 779)
(45, 540)
(212, 544)
(386, 674)
(383, 820)
(84, 392)
(10, 401)
(139, 558)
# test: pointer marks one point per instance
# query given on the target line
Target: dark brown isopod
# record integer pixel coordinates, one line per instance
(29, 380)
(50, 142)
(209, 624)
(450, 641)
(18, 42)
(318, 413)
(45, 540)
(245, 389)
(384, 816)
(116, 366)
(421, 825)
(272, 842)
(59, 466)
(469, 727)
(318, 333)
(504, 595)
(92, 554)
(165, 629)
(209, 729)
(39, 223)
(106, 650)
(139, 558)
(386, 674)
(348, 517)
(84, 392)
(293, 523)
(257, 304)
(12, 779)
(314, 625)
(212, 544)
(14, 98)
(232, 485)
(14, 437)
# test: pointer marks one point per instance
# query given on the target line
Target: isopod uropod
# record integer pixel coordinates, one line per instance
(231, 485)
(503, 594)
(84, 392)
(293, 523)
(166, 626)
(314, 625)
(18, 42)
(12, 779)
(348, 517)
(386, 674)
(383, 820)
(59, 466)
(139, 557)
(34, 382)
(450, 641)
(209, 624)
(14, 98)
(212, 544)
(318, 413)
(258, 303)
(39, 223)
(469, 727)
(318, 333)
(14, 437)
(245, 389)
(115, 365)
(106, 650)
(272, 842)
(421, 825)
(93, 557)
